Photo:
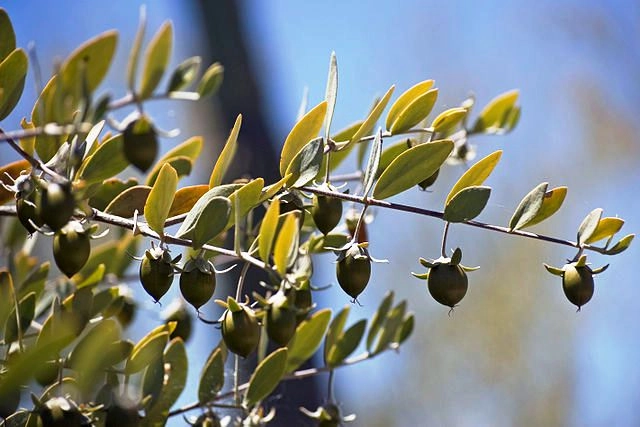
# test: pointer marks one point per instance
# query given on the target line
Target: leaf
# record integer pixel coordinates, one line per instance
(147, 350)
(621, 245)
(390, 153)
(405, 330)
(126, 203)
(589, 225)
(226, 156)
(13, 71)
(107, 161)
(271, 190)
(13, 170)
(306, 164)
(304, 131)
(335, 330)
(415, 112)
(158, 204)
(372, 164)
(212, 377)
(7, 35)
(26, 313)
(378, 319)
(606, 228)
(186, 198)
(249, 195)
(45, 110)
(288, 235)
(184, 74)
(370, 122)
(405, 99)
(211, 80)
(181, 164)
(307, 339)
(467, 204)
(476, 174)
(189, 149)
(337, 157)
(528, 207)
(391, 326)
(346, 344)
(34, 282)
(331, 93)
(319, 243)
(551, 203)
(266, 377)
(134, 56)
(495, 114)
(268, 231)
(156, 59)
(448, 119)
(206, 220)
(411, 167)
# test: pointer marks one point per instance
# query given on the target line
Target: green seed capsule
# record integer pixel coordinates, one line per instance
(240, 331)
(353, 272)
(447, 284)
(56, 205)
(156, 273)
(140, 143)
(71, 249)
(577, 283)
(326, 212)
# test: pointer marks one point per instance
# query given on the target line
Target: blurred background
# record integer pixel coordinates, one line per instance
(515, 352)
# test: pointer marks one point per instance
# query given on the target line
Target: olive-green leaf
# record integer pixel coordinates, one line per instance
(288, 235)
(147, 350)
(266, 377)
(205, 220)
(88, 353)
(550, 204)
(404, 332)
(248, 196)
(476, 174)
(132, 199)
(528, 207)
(320, 243)
(7, 35)
(606, 228)
(26, 312)
(415, 112)
(496, 113)
(226, 156)
(181, 164)
(331, 93)
(107, 160)
(211, 80)
(371, 120)
(34, 282)
(467, 204)
(335, 330)
(405, 99)
(589, 225)
(378, 320)
(411, 167)
(156, 59)
(268, 231)
(13, 70)
(448, 119)
(346, 343)
(304, 131)
(621, 245)
(392, 324)
(189, 149)
(307, 339)
(134, 55)
(337, 157)
(390, 153)
(306, 164)
(158, 204)
(212, 377)
(184, 74)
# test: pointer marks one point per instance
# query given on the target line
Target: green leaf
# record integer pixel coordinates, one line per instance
(606, 228)
(181, 164)
(415, 112)
(13, 70)
(404, 332)
(45, 110)
(370, 122)
(306, 164)
(319, 243)
(528, 207)
(184, 74)
(226, 156)
(7, 295)
(307, 339)
(337, 157)
(107, 161)
(391, 327)
(26, 313)
(476, 174)
(283, 252)
(621, 245)
(7, 35)
(134, 56)
(156, 59)
(266, 377)
(205, 220)
(132, 199)
(94, 278)
(448, 119)
(405, 99)
(158, 204)
(268, 231)
(189, 149)
(212, 377)
(346, 344)
(372, 164)
(467, 204)
(34, 282)
(411, 167)
(497, 113)
(390, 153)
(335, 330)
(550, 204)
(147, 350)
(249, 196)
(378, 320)
(589, 225)
(211, 80)
(331, 93)
(304, 131)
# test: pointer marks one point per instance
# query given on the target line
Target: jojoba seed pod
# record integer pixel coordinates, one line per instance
(156, 273)
(71, 249)
(240, 331)
(303, 301)
(178, 312)
(353, 274)
(61, 412)
(9, 402)
(56, 205)
(47, 373)
(28, 213)
(140, 143)
(447, 284)
(326, 212)
(122, 415)
(429, 181)
(197, 287)
(281, 320)
(577, 283)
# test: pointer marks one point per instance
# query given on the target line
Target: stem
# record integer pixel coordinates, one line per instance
(330, 385)
(243, 275)
(443, 247)
(35, 163)
(130, 99)
(356, 232)
(236, 369)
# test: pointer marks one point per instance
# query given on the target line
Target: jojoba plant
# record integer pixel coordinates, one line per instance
(72, 175)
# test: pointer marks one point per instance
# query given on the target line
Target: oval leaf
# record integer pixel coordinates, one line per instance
(589, 225)
(211, 80)
(7, 35)
(335, 330)
(621, 245)
(606, 228)
(304, 131)
(307, 339)
(417, 110)
(212, 377)
(26, 313)
(392, 325)
(405, 99)
(411, 167)
(467, 204)
(186, 198)
(13, 170)
(184, 74)
(496, 113)
(372, 164)
(266, 377)
(156, 59)
(108, 160)
(476, 174)
(146, 351)
(346, 343)
(448, 119)
(378, 320)
(206, 220)
(528, 207)
(331, 93)
(226, 156)
(130, 200)
(158, 204)
(550, 204)
(268, 231)
(190, 149)
(370, 122)
(282, 252)
(13, 70)
(390, 153)
(306, 164)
